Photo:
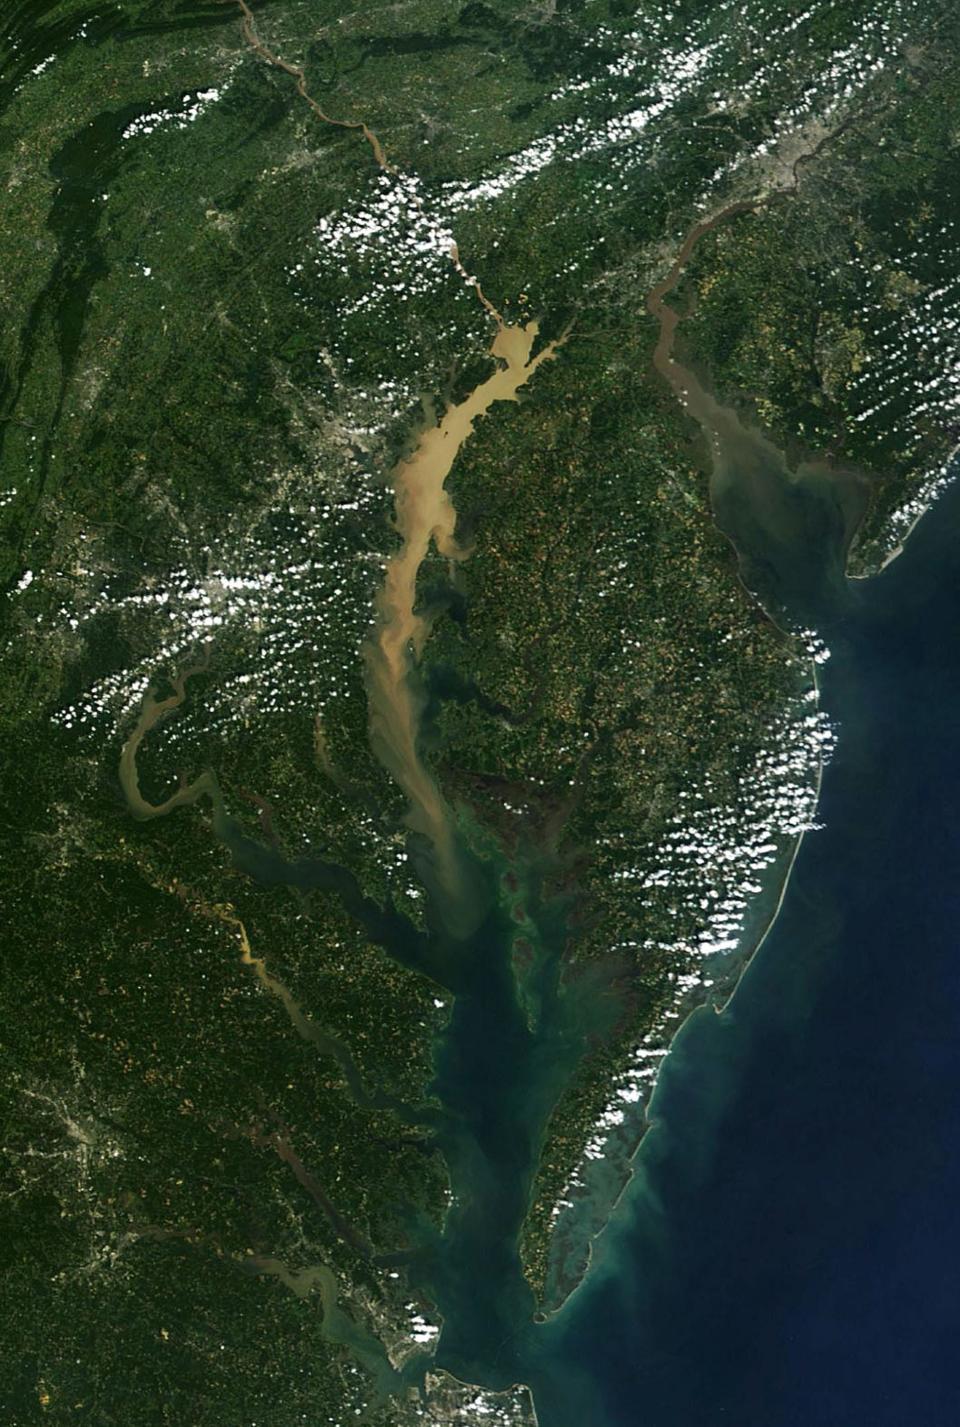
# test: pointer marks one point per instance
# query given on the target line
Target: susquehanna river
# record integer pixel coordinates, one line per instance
(782, 1255)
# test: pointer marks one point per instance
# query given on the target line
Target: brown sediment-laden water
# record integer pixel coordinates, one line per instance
(501, 1067)
(792, 526)
(494, 1142)
(306, 1028)
(253, 39)
(425, 515)
(689, 391)
(152, 712)
(501, 1064)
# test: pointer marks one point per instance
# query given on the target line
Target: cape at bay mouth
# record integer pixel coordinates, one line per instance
(513, 1037)
(795, 1202)
(516, 1033)
(333, 1045)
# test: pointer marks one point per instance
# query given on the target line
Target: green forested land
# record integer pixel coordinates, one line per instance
(190, 390)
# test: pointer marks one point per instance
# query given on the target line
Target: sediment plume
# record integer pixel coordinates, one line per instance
(425, 515)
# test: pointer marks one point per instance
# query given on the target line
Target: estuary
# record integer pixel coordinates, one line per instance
(780, 1256)
(422, 699)
(493, 936)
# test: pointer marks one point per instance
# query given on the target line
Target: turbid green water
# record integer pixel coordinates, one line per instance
(515, 1035)
(786, 1254)
(791, 525)
(501, 1063)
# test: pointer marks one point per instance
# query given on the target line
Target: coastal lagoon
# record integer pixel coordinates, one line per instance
(785, 1255)
(395, 759)
(782, 1240)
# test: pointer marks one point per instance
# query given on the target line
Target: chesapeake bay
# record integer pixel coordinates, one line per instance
(783, 1256)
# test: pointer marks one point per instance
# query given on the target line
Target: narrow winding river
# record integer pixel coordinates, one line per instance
(505, 1057)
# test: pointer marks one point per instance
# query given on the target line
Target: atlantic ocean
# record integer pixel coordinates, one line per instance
(788, 1252)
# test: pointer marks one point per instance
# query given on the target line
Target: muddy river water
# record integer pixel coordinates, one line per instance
(424, 516)
(507, 1052)
(791, 525)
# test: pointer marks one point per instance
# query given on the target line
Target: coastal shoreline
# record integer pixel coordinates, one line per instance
(719, 1006)
(938, 484)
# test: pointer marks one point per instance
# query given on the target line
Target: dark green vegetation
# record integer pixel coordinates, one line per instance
(848, 353)
(221, 322)
(633, 674)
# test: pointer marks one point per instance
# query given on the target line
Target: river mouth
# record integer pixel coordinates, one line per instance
(396, 700)
(516, 1034)
(792, 526)
(792, 530)
(796, 1201)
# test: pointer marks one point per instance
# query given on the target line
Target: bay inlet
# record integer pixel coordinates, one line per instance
(783, 1255)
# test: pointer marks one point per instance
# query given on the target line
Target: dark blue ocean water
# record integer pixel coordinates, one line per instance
(789, 1253)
